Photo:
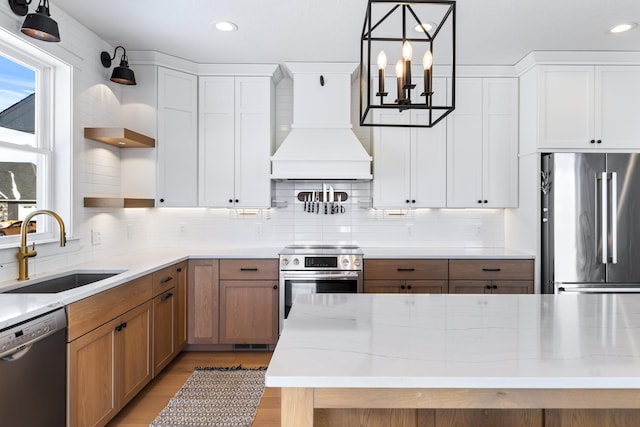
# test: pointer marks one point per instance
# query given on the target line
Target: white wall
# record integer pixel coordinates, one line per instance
(101, 169)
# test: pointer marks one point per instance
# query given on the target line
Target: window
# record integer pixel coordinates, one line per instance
(19, 164)
(35, 149)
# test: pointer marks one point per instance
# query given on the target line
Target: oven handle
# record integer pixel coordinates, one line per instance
(325, 275)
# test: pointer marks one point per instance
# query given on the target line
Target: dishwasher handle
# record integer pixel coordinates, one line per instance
(17, 354)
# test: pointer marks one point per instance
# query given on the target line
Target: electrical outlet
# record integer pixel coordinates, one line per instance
(409, 228)
(182, 229)
(96, 238)
(129, 231)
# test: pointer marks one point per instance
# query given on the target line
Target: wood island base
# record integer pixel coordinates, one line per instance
(392, 407)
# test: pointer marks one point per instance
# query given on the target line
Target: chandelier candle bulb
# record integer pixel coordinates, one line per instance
(399, 74)
(427, 63)
(382, 63)
(407, 53)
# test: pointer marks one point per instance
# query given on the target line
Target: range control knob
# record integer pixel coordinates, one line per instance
(345, 262)
(357, 262)
(285, 261)
(296, 261)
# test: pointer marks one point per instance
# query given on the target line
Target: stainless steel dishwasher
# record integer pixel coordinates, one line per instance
(33, 372)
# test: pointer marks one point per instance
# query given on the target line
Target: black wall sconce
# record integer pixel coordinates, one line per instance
(122, 73)
(38, 25)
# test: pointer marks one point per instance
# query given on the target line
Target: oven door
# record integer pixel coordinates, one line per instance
(294, 283)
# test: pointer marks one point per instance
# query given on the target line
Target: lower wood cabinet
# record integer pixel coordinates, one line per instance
(169, 314)
(417, 276)
(233, 301)
(248, 301)
(491, 276)
(109, 366)
(119, 339)
(203, 290)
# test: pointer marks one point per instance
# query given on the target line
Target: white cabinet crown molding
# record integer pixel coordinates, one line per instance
(576, 58)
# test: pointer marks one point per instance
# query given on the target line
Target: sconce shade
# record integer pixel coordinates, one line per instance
(122, 74)
(39, 24)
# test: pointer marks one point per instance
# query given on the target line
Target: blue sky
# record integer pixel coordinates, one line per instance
(16, 82)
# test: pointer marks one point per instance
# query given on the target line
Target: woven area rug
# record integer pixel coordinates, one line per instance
(220, 397)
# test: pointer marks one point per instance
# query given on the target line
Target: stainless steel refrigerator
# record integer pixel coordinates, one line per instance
(590, 222)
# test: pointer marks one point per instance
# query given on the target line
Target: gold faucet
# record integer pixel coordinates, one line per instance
(24, 253)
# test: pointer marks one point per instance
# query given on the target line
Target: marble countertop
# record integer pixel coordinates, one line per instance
(460, 341)
(16, 308)
(435, 253)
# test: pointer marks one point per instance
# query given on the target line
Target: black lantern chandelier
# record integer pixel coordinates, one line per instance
(405, 29)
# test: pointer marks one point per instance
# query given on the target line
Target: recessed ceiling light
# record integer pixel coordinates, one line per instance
(226, 26)
(621, 28)
(428, 26)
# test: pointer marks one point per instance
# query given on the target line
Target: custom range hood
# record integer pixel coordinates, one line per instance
(321, 144)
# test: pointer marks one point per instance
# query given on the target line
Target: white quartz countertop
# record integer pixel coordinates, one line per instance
(459, 341)
(453, 253)
(15, 308)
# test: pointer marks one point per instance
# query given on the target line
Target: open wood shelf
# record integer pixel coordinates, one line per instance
(118, 202)
(119, 137)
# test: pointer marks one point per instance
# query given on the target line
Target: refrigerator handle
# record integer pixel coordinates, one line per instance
(614, 217)
(603, 217)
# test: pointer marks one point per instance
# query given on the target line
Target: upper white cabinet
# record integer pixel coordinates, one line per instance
(482, 144)
(235, 141)
(588, 107)
(177, 138)
(410, 164)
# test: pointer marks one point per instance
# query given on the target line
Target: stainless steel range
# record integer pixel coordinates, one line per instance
(317, 269)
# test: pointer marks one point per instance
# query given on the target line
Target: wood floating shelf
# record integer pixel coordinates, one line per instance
(119, 137)
(118, 202)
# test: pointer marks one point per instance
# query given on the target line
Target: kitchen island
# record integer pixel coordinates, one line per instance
(436, 360)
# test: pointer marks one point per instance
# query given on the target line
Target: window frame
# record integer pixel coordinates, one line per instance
(54, 93)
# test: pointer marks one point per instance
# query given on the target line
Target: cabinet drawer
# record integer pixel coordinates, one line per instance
(417, 269)
(491, 269)
(89, 313)
(248, 269)
(165, 279)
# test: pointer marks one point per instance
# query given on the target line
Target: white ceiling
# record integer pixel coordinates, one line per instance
(275, 31)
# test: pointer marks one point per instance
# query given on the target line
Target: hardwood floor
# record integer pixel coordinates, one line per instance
(145, 407)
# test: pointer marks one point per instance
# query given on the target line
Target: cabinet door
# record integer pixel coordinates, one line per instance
(248, 311)
(93, 397)
(177, 139)
(134, 352)
(429, 156)
(164, 313)
(500, 143)
(392, 162)
(489, 417)
(469, 286)
(566, 107)
(181, 308)
(254, 141)
(617, 102)
(512, 287)
(464, 146)
(203, 284)
(217, 141)
(428, 286)
(384, 286)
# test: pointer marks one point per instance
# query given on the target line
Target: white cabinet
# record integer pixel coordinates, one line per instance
(177, 138)
(482, 144)
(409, 165)
(236, 140)
(584, 107)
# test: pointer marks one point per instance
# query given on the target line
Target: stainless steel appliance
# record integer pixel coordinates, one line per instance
(317, 269)
(33, 372)
(590, 222)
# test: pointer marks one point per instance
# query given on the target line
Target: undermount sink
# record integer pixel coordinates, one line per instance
(61, 284)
